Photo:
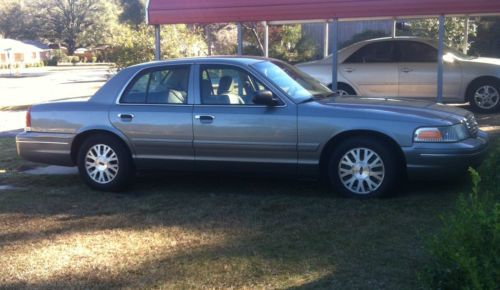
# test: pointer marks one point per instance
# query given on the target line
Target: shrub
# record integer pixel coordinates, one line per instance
(466, 252)
(75, 59)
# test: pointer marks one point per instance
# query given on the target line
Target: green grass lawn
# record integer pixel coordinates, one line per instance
(211, 232)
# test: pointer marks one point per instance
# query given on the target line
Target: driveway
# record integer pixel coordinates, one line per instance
(38, 85)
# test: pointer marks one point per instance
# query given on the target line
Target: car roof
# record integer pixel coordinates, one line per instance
(245, 60)
(397, 38)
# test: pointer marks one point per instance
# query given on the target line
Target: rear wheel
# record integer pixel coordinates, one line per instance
(105, 163)
(484, 96)
(362, 167)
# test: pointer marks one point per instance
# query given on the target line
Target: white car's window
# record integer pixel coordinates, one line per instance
(378, 52)
(159, 86)
(414, 51)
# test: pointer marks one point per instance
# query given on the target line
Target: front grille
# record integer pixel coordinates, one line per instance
(471, 124)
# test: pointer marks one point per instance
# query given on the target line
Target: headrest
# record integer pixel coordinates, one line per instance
(225, 85)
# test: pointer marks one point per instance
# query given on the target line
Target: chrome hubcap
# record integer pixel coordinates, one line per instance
(342, 93)
(486, 97)
(101, 163)
(361, 170)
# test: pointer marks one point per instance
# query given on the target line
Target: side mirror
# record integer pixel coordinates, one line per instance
(265, 98)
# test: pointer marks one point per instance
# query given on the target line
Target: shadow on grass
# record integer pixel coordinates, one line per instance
(273, 231)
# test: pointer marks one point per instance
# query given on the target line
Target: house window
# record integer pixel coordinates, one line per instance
(18, 57)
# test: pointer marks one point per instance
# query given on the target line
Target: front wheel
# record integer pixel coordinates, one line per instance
(362, 167)
(484, 96)
(104, 163)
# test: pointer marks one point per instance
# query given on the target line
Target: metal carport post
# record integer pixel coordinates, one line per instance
(157, 43)
(335, 25)
(440, 59)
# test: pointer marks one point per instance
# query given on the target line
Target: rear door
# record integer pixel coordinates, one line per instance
(155, 113)
(232, 133)
(418, 72)
(373, 69)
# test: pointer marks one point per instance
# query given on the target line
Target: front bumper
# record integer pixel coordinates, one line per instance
(445, 160)
(50, 148)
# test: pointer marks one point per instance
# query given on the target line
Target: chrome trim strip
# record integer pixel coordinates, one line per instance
(42, 142)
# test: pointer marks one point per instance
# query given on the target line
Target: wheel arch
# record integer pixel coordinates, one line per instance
(83, 135)
(342, 83)
(337, 139)
(470, 86)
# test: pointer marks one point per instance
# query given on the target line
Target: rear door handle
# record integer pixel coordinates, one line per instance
(406, 69)
(127, 117)
(349, 69)
(205, 118)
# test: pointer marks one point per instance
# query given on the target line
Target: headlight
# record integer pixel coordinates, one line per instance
(441, 134)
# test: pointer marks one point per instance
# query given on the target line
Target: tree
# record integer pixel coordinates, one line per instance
(487, 40)
(18, 21)
(132, 45)
(72, 21)
(429, 27)
(132, 12)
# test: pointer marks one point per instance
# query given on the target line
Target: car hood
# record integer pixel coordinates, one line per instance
(398, 110)
(486, 60)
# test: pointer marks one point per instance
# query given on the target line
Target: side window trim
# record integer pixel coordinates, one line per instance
(203, 67)
(138, 74)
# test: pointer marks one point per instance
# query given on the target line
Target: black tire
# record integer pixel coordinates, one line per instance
(390, 162)
(346, 88)
(125, 169)
(477, 87)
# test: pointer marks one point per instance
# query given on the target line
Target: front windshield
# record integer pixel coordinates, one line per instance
(298, 85)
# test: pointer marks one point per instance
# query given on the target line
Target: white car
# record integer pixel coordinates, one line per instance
(406, 67)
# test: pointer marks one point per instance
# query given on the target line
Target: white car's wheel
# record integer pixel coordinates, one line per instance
(484, 96)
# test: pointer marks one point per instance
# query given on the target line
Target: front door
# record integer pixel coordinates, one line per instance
(155, 113)
(232, 133)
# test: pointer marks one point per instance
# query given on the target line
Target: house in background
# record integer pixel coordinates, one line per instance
(18, 53)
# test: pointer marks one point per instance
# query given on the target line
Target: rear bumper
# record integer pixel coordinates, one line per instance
(50, 148)
(445, 160)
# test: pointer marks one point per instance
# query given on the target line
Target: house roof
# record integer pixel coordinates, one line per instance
(17, 46)
(214, 11)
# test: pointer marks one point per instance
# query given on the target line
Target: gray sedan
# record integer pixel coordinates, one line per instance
(248, 115)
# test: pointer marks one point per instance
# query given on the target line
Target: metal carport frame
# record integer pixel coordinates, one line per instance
(295, 11)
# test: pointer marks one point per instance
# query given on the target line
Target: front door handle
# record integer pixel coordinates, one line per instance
(126, 117)
(406, 70)
(205, 118)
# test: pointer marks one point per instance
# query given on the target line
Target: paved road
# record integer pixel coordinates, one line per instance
(38, 85)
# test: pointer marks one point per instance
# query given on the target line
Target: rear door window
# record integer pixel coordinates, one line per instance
(166, 85)
(378, 52)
